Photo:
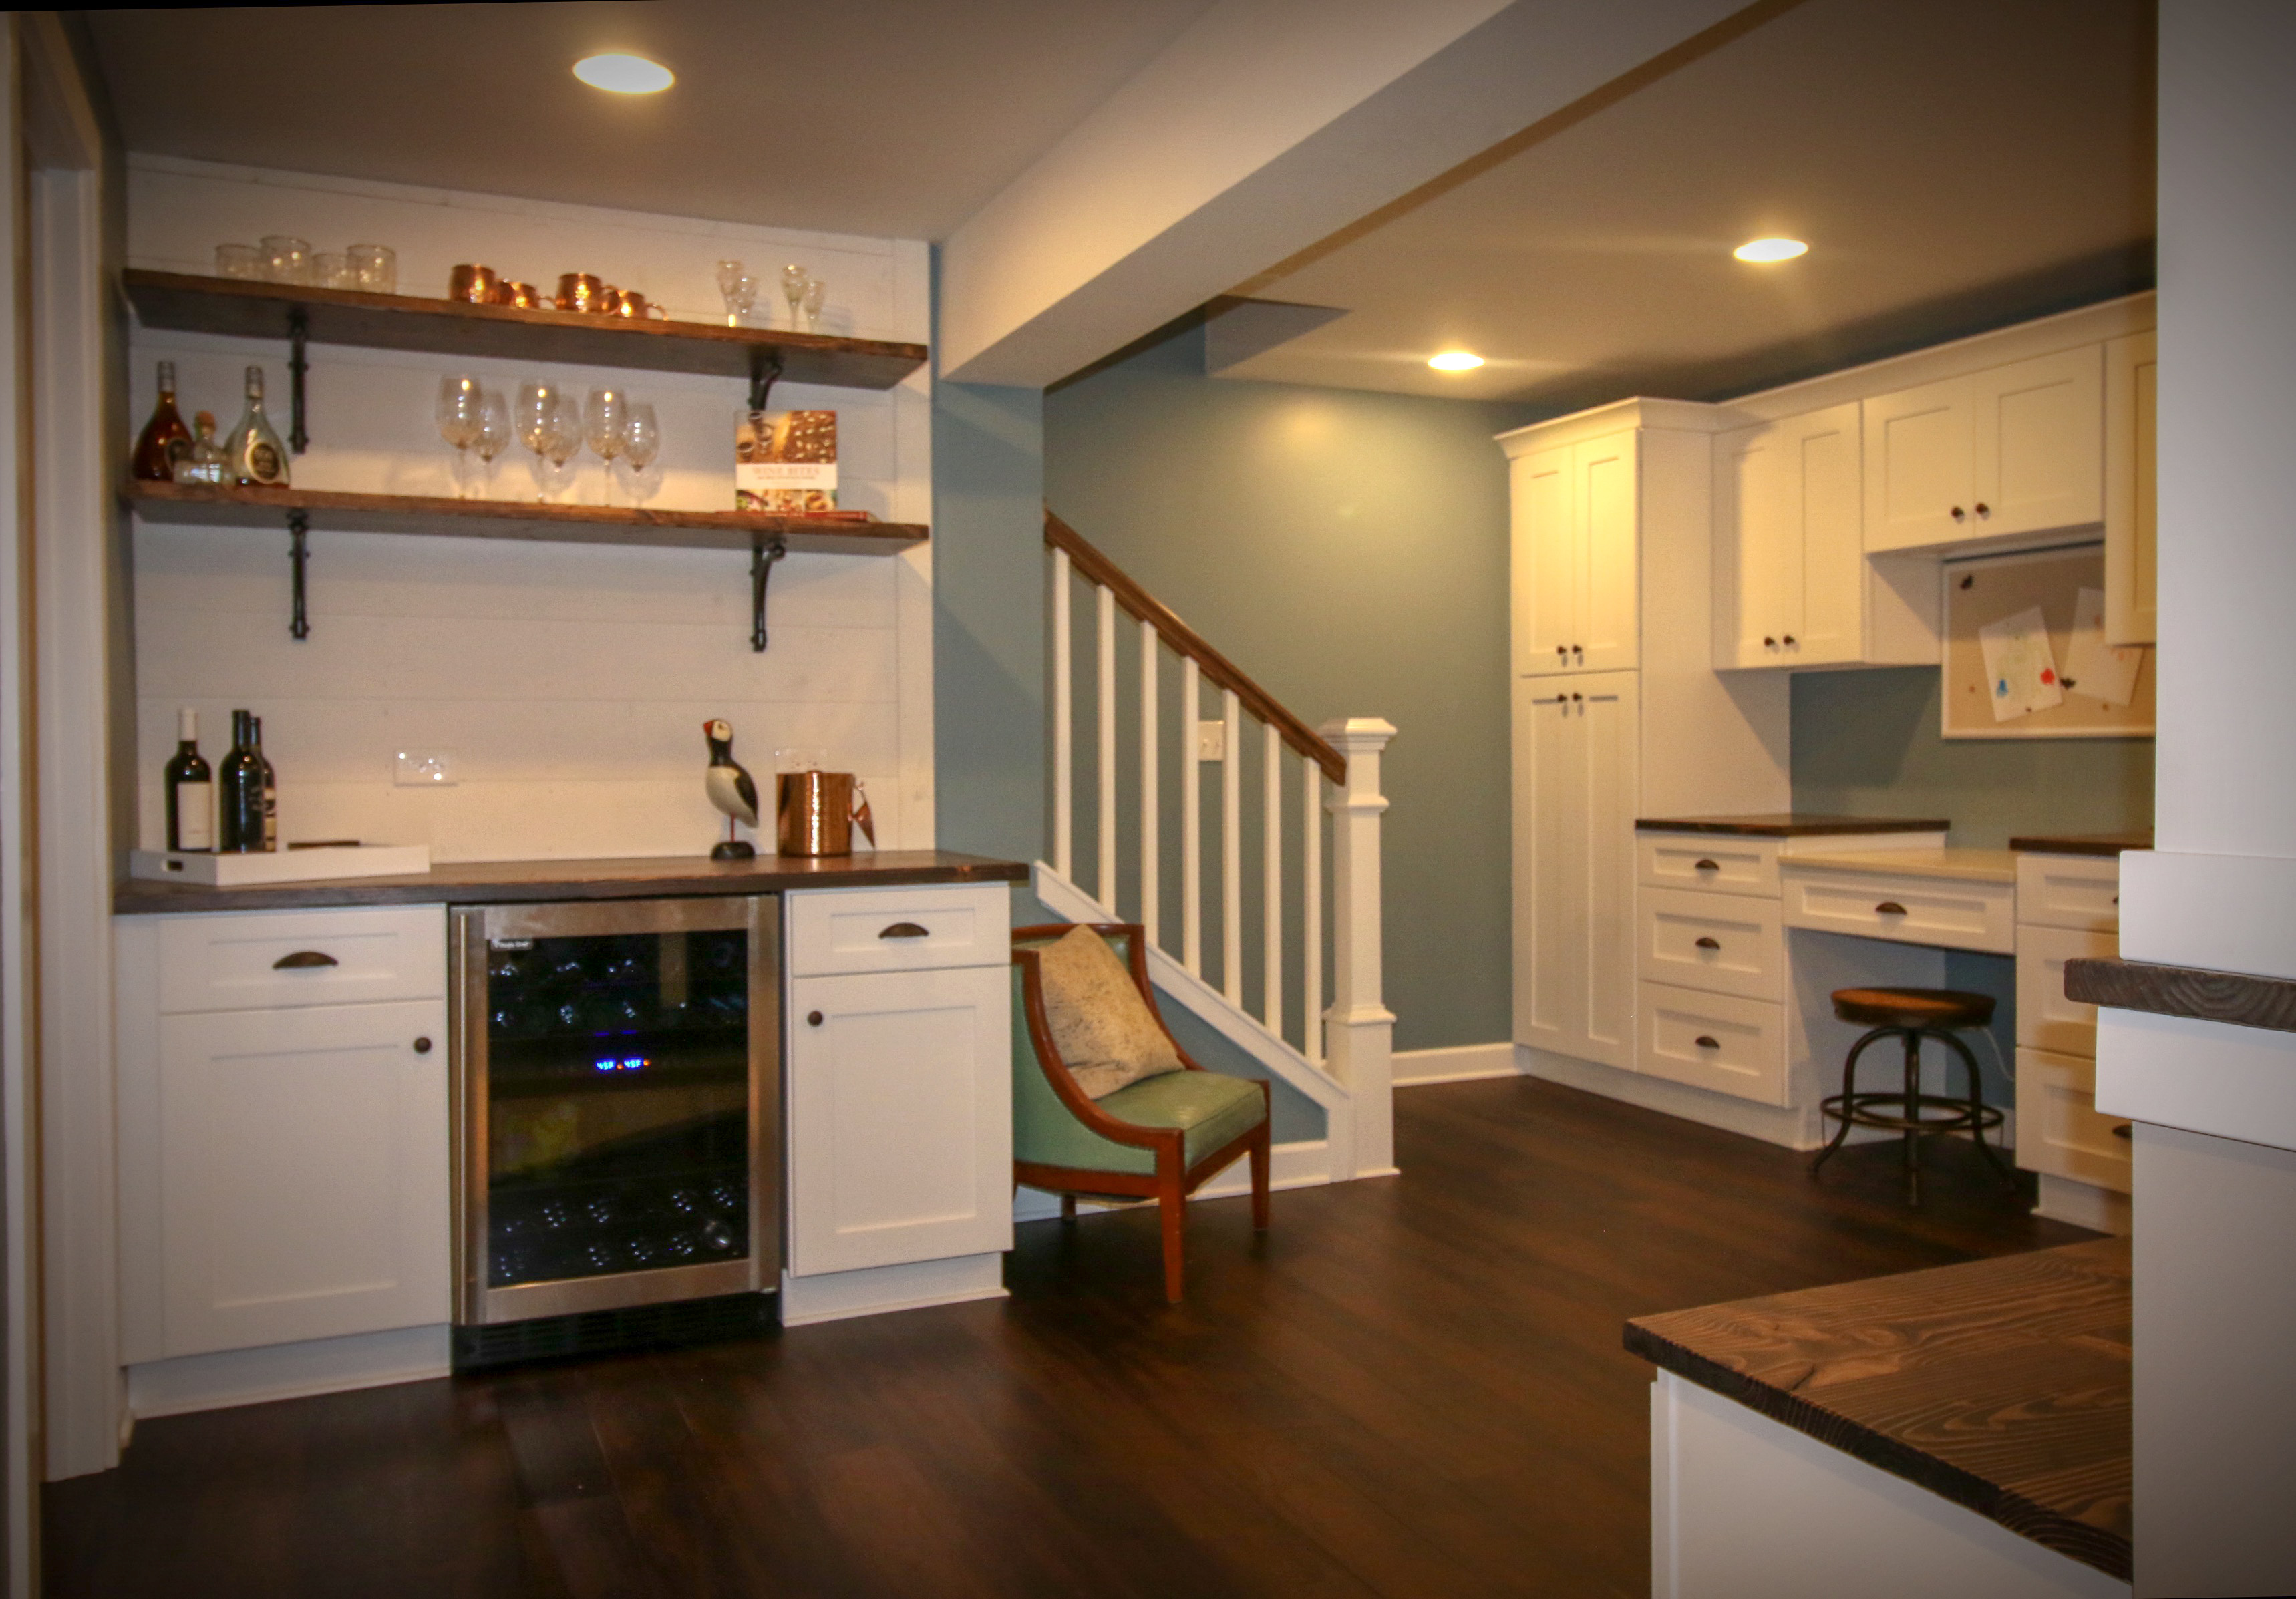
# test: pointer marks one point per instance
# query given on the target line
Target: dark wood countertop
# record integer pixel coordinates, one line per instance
(2205, 995)
(2082, 843)
(1787, 825)
(2002, 1385)
(500, 882)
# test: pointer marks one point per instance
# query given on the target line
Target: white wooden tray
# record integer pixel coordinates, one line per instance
(280, 865)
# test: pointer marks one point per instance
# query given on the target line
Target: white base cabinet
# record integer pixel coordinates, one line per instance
(2068, 908)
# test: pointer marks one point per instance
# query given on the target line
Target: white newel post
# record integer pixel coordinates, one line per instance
(1359, 1029)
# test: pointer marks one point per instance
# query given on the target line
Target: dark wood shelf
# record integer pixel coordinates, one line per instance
(449, 327)
(327, 511)
(2236, 997)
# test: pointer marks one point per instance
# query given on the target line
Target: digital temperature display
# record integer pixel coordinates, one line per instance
(621, 1063)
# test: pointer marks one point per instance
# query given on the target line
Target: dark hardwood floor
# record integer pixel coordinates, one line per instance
(1410, 1387)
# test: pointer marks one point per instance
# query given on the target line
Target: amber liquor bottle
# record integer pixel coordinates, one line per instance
(165, 439)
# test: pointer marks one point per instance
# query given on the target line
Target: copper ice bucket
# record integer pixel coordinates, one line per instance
(818, 812)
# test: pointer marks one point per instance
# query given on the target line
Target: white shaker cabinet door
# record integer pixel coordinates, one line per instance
(1920, 458)
(1607, 509)
(2132, 366)
(900, 1125)
(1547, 558)
(304, 1174)
(2039, 428)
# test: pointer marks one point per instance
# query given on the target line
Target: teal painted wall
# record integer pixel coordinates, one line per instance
(1349, 550)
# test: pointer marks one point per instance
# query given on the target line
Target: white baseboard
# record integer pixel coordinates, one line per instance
(2084, 1205)
(286, 1371)
(879, 1290)
(1304, 1164)
(1459, 1063)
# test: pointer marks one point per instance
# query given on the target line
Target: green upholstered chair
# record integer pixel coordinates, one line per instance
(1158, 1138)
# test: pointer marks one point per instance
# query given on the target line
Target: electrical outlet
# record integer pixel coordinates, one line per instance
(1211, 741)
(424, 769)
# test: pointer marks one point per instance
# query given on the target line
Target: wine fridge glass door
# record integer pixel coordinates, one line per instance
(614, 1112)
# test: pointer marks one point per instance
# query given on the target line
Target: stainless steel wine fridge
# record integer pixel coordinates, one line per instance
(617, 1071)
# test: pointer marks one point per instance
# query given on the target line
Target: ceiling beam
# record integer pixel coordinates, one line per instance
(1264, 127)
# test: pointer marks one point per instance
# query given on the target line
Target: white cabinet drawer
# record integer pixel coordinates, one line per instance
(1733, 864)
(2070, 890)
(2059, 1130)
(1911, 910)
(1723, 943)
(1715, 1041)
(838, 931)
(2046, 1018)
(259, 960)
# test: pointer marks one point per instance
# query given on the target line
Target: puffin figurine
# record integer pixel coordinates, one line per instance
(730, 790)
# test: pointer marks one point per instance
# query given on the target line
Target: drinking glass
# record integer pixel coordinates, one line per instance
(493, 434)
(286, 259)
(239, 260)
(794, 279)
(534, 417)
(565, 437)
(641, 439)
(374, 267)
(330, 271)
(815, 292)
(605, 426)
(461, 407)
(740, 290)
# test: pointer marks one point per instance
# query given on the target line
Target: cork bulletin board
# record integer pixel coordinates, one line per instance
(2024, 655)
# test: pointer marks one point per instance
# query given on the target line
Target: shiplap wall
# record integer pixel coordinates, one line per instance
(568, 682)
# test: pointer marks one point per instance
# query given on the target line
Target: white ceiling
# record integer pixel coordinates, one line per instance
(1952, 163)
(893, 118)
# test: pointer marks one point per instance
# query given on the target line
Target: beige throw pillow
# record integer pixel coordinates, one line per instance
(1100, 1024)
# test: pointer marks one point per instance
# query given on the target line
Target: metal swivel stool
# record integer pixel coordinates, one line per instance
(1912, 1015)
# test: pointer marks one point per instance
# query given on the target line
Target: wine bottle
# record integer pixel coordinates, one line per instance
(165, 439)
(270, 785)
(255, 457)
(203, 463)
(191, 788)
(241, 823)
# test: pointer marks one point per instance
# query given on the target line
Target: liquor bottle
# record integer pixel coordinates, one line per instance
(165, 439)
(191, 788)
(241, 823)
(270, 785)
(254, 454)
(203, 462)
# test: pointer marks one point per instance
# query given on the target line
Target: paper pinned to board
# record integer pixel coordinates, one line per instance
(2021, 669)
(2101, 671)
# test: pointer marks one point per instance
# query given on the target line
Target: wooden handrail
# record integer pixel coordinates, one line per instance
(1145, 607)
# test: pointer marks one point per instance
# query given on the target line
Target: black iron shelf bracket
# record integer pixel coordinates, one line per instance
(765, 371)
(298, 332)
(762, 556)
(299, 555)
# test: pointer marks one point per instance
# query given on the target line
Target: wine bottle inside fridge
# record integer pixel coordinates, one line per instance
(243, 814)
(165, 439)
(256, 456)
(191, 788)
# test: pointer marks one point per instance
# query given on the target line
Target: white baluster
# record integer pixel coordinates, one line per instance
(1150, 809)
(1064, 735)
(1232, 850)
(1311, 911)
(1360, 1033)
(1192, 821)
(1271, 893)
(1105, 883)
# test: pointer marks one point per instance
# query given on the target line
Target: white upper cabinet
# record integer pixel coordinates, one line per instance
(2012, 450)
(2131, 367)
(1788, 562)
(1575, 511)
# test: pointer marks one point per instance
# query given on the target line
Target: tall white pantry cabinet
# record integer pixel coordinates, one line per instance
(1616, 710)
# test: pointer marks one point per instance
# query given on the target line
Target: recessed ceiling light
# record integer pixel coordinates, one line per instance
(1770, 250)
(623, 74)
(1456, 360)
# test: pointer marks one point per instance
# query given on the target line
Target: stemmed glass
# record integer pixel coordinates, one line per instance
(605, 427)
(641, 441)
(460, 407)
(794, 279)
(564, 441)
(494, 435)
(816, 291)
(534, 418)
(740, 290)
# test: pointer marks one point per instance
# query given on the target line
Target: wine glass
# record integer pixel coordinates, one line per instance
(565, 440)
(460, 407)
(534, 418)
(604, 427)
(816, 291)
(641, 439)
(740, 290)
(494, 433)
(794, 279)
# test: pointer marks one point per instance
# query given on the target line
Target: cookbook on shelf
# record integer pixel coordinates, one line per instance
(785, 462)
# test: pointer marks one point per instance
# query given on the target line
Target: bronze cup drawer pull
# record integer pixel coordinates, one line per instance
(1707, 1041)
(1706, 943)
(1889, 907)
(303, 960)
(1705, 866)
(905, 929)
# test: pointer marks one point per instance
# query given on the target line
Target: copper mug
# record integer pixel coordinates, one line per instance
(523, 296)
(817, 811)
(581, 292)
(624, 303)
(477, 284)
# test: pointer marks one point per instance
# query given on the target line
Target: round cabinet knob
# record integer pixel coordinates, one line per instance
(1789, 641)
(1983, 509)
(421, 1046)
(1959, 514)
(813, 1019)
(1769, 642)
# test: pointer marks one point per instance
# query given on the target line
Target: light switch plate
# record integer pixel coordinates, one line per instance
(1211, 741)
(424, 769)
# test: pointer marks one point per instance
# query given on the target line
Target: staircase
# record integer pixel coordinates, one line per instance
(1255, 934)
